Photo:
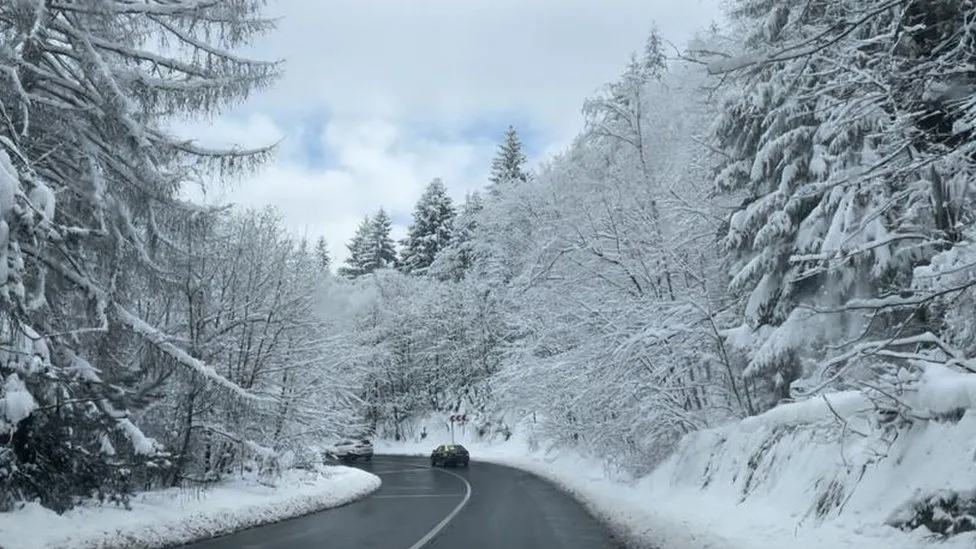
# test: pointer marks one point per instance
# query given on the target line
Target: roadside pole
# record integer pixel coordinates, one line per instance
(458, 418)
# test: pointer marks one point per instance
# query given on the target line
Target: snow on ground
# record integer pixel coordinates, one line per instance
(172, 517)
(802, 476)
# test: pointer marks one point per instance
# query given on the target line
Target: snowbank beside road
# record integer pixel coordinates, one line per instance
(798, 485)
(802, 476)
(172, 517)
(835, 472)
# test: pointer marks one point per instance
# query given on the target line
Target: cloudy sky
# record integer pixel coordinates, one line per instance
(381, 96)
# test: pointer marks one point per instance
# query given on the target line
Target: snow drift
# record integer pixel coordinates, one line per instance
(174, 517)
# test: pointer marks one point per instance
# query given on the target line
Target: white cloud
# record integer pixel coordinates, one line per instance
(375, 164)
(443, 60)
(390, 74)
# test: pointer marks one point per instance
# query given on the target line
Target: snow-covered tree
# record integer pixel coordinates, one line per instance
(508, 165)
(90, 216)
(379, 247)
(245, 303)
(430, 231)
(322, 253)
(371, 247)
(455, 259)
(613, 303)
(417, 346)
(847, 144)
(357, 264)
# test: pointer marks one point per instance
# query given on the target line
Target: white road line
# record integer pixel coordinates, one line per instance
(440, 525)
(395, 496)
(395, 471)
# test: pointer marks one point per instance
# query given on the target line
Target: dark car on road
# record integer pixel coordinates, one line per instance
(449, 454)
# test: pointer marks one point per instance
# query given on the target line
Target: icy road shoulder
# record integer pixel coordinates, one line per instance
(172, 517)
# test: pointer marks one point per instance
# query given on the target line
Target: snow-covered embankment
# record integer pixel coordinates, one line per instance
(833, 472)
(172, 517)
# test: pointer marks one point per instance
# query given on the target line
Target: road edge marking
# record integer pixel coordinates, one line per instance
(377, 473)
(440, 525)
(398, 496)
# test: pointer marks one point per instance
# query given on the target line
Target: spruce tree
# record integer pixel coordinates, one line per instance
(322, 253)
(358, 246)
(430, 231)
(454, 261)
(380, 249)
(509, 162)
(829, 198)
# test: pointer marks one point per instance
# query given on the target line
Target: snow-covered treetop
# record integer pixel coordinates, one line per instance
(430, 231)
(508, 166)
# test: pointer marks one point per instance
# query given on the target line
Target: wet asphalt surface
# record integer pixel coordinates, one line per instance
(506, 509)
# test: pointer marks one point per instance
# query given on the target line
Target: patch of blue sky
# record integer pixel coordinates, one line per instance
(487, 128)
(306, 134)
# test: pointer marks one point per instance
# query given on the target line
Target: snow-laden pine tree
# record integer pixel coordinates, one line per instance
(88, 211)
(846, 138)
(508, 165)
(500, 238)
(454, 260)
(371, 247)
(379, 247)
(430, 231)
(322, 254)
(357, 264)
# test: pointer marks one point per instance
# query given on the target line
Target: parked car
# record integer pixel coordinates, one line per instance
(449, 454)
(351, 450)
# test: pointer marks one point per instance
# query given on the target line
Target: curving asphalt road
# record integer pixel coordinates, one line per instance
(486, 506)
